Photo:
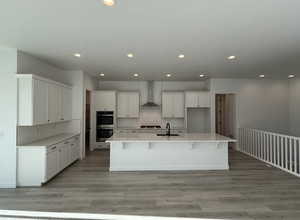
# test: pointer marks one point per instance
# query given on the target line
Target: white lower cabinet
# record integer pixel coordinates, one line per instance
(38, 164)
(52, 162)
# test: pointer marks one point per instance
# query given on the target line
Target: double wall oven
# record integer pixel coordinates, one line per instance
(105, 125)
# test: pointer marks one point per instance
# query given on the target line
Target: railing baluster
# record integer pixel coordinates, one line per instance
(295, 155)
(299, 156)
(271, 148)
(265, 146)
(290, 157)
(280, 150)
(268, 157)
(281, 147)
(286, 153)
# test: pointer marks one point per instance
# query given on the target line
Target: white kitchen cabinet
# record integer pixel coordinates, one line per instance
(53, 103)
(197, 99)
(42, 101)
(75, 149)
(64, 155)
(65, 104)
(37, 163)
(173, 105)
(128, 104)
(32, 102)
(52, 162)
(104, 100)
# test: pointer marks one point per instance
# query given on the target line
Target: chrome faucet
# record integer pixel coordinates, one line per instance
(168, 127)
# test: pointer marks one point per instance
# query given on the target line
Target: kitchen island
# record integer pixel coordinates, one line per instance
(188, 151)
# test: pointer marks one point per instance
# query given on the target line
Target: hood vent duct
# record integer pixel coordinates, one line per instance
(150, 100)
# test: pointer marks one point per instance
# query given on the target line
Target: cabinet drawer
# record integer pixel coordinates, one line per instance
(52, 148)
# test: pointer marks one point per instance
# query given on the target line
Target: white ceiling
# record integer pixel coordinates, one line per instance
(263, 34)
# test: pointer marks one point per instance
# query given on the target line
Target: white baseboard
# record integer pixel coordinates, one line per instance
(168, 168)
(8, 186)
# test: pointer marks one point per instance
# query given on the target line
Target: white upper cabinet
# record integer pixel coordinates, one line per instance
(104, 100)
(128, 104)
(32, 102)
(42, 101)
(197, 99)
(173, 105)
(53, 103)
(66, 103)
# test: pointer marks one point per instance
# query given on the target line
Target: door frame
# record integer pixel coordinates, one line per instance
(84, 121)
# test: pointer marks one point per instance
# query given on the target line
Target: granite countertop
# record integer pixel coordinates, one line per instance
(50, 140)
(183, 137)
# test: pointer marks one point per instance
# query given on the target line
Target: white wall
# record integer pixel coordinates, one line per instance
(260, 103)
(28, 64)
(8, 117)
(294, 96)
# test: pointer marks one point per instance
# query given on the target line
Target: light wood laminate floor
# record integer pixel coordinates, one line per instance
(249, 190)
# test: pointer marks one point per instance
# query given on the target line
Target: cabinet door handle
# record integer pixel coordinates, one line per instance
(53, 148)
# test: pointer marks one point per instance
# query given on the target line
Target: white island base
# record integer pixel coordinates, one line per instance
(170, 153)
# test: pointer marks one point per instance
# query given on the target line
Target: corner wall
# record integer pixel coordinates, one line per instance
(8, 117)
(294, 107)
(260, 103)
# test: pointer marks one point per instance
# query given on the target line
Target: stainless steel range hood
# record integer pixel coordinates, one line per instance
(150, 100)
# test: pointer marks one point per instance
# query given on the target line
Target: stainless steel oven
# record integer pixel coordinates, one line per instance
(105, 118)
(105, 125)
(104, 133)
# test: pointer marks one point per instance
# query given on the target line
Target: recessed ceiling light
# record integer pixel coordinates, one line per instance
(130, 55)
(109, 2)
(201, 75)
(291, 76)
(231, 57)
(102, 74)
(181, 56)
(136, 75)
(77, 55)
(168, 75)
(262, 76)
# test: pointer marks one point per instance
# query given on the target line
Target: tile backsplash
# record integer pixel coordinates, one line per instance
(30, 134)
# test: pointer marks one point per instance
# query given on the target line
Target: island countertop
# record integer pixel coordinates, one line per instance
(183, 137)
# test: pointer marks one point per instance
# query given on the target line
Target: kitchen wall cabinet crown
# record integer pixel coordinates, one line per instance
(42, 101)
(173, 104)
(128, 104)
(197, 99)
(104, 100)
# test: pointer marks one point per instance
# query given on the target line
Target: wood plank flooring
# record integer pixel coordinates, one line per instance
(249, 190)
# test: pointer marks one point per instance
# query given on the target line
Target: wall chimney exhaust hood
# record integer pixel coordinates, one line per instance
(150, 100)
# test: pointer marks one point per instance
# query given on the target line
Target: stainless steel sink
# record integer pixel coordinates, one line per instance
(167, 134)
